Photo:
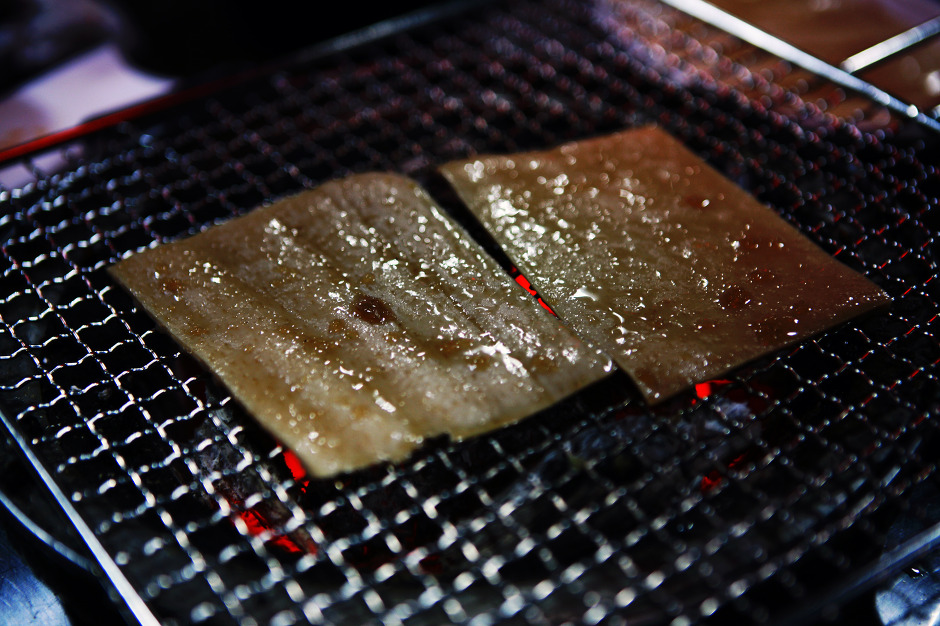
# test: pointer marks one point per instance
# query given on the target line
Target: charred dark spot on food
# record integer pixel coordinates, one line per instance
(696, 201)
(373, 310)
(171, 285)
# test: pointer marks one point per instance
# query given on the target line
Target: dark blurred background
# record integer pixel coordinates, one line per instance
(177, 38)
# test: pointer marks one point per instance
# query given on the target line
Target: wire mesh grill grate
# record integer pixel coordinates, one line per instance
(776, 487)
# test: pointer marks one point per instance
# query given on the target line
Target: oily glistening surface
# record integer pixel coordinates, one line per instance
(656, 258)
(355, 320)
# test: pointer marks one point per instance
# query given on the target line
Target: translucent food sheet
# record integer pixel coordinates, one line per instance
(803, 482)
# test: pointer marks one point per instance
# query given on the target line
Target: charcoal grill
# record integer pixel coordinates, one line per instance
(801, 488)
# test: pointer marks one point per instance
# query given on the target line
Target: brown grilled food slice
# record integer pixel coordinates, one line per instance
(356, 320)
(656, 258)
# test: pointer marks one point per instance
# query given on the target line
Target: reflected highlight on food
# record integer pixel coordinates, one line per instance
(646, 251)
(356, 320)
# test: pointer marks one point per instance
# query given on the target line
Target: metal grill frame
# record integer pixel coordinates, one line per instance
(776, 488)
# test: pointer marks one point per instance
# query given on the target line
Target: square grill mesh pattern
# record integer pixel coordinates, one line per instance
(782, 486)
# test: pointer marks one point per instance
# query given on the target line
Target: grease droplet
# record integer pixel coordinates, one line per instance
(373, 310)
